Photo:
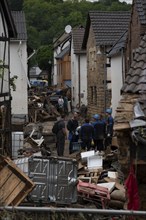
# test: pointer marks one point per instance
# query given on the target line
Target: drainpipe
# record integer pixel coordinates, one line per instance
(123, 75)
(79, 81)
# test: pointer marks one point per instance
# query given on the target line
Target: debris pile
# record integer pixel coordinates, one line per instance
(101, 180)
(38, 112)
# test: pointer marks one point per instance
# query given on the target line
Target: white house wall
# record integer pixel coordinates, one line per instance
(117, 82)
(18, 67)
(83, 79)
(4, 60)
(77, 60)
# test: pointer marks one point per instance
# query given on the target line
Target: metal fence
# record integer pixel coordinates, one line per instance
(58, 213)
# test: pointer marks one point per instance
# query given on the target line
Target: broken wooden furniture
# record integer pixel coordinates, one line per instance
(14, 184)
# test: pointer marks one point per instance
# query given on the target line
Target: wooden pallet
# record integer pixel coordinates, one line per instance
(14, 184)
(90, 177)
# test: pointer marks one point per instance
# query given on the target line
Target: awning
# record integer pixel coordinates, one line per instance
(68, 83)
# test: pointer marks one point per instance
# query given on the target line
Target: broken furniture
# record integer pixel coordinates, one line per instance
(14, 184)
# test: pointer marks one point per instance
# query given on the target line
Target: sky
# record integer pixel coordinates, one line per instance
(128, 1)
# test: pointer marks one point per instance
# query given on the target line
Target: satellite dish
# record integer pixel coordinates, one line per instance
(68, 29)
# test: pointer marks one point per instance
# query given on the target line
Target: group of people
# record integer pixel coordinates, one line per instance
(93, 134)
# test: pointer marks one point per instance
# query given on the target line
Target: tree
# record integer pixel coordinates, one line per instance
(16, 5)
(46, 19)
(43, 56)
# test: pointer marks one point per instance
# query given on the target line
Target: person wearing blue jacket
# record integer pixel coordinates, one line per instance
(99, 132)
(109, 126)
(110, 122)
(86, 134)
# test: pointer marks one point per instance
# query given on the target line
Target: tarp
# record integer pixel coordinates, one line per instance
(132, 191)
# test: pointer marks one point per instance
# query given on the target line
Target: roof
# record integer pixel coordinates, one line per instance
(119, 45)
(61, 39)
(9, 20)
(141, 9)
(20, 23)
(136, 77)
(63, 52)
(107, 26)
(77, 37)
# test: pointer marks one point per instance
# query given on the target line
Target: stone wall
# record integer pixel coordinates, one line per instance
(127, 151)
(98, 96)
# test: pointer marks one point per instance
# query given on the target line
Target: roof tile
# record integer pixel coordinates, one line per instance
(136, 77)
(77, 37)
(20, 23)
(108, 26)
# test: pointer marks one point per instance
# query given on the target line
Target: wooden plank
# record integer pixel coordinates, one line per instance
(17, 171)
(121, 126)
(14, 193)
(5, 173)
(15, 185)
(22, 195)
(8, 187)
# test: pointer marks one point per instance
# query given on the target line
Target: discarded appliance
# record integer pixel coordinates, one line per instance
(95, 162)
(55, 179)
(14, 184)
(97, 194)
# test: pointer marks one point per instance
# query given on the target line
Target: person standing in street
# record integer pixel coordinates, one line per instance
(61, 136)
(72, 126)
(65, 105)
(109, 126)
(61, 105)
(99, 133)
(86, 134)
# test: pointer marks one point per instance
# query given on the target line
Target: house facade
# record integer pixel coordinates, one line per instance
(62, 63)
(18, 66)
(97, 42)
(70, 65)
(78, 69)
(117, 67)
(7, 31)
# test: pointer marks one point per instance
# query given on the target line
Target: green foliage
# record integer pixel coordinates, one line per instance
(16, 5)
(12, 82)
(1, 69)
(46, 19)
(44, 55)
